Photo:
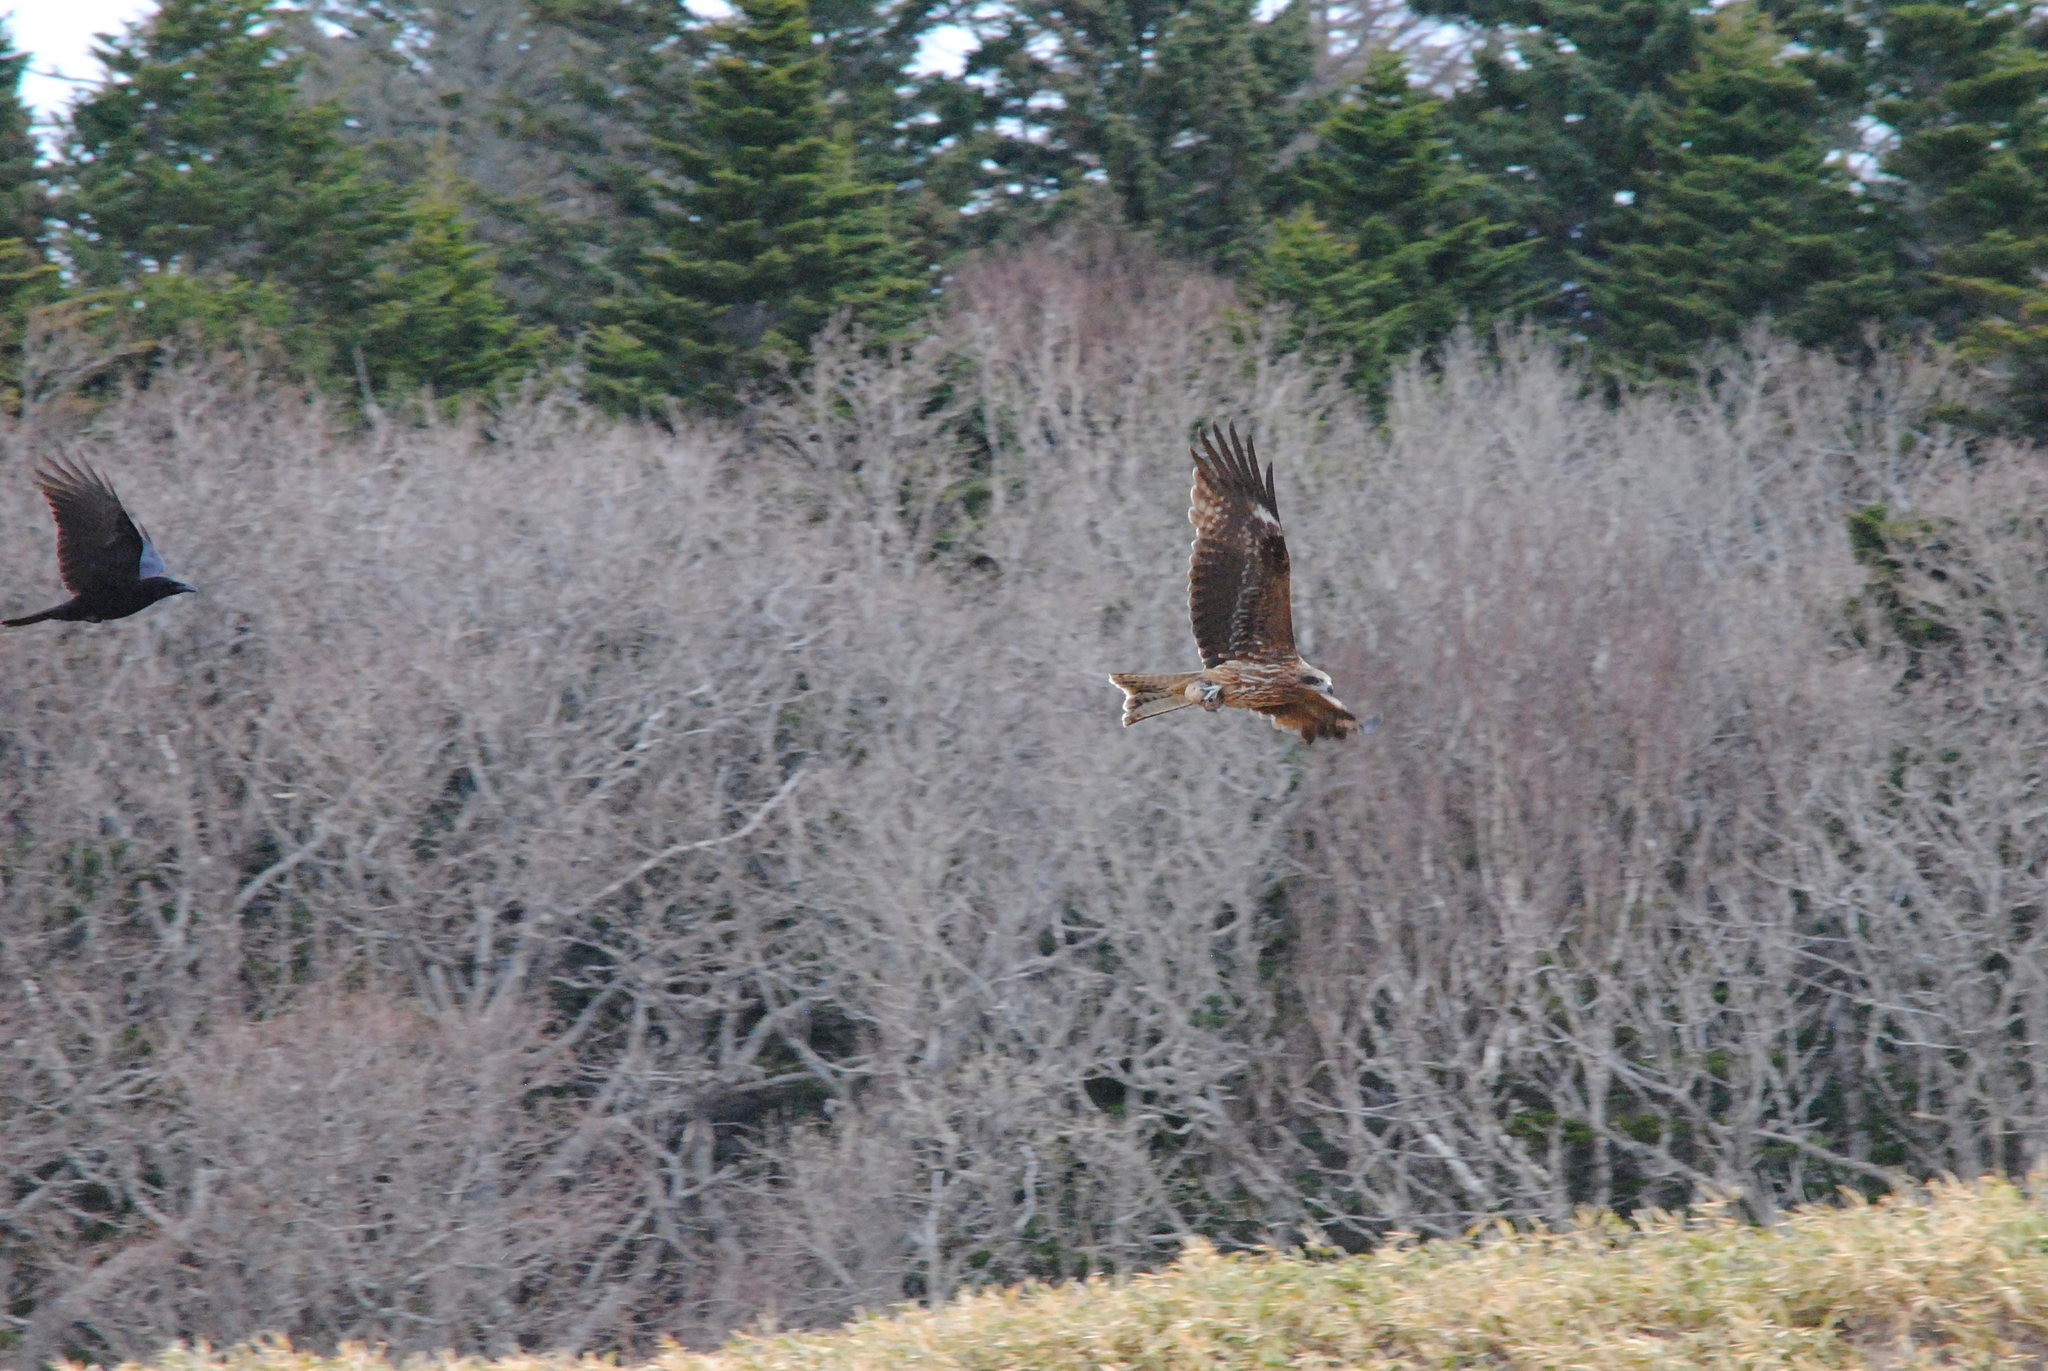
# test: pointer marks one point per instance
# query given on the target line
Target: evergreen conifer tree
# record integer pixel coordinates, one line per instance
(1947, 96)
(1561, 118)
(1180, 109)
(766, 232)
(436, 317)
(490, 93)
(869, 47)
(201, 192)
(23, 202)
(196, 156)
(1964, 86)
(1391, 250)
(26, 275)
(1741, 213)
(1677, 169)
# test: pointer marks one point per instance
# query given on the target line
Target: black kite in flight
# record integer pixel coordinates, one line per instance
(1237, 596)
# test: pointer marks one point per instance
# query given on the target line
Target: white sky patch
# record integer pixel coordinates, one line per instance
(943, 51)
(59, 35)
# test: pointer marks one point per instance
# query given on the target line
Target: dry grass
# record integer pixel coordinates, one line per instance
(565, 884)
(1955, 1276)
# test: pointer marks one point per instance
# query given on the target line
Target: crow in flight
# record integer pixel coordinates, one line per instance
(106, 561)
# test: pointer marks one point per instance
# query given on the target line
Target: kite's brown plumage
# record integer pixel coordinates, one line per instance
(1237, 574)
(1238, 601)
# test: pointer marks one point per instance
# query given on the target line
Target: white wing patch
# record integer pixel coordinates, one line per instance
(152, 562)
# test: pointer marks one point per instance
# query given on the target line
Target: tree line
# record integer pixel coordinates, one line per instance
(667, 208)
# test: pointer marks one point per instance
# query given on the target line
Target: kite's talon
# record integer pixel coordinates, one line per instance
(1212, 695)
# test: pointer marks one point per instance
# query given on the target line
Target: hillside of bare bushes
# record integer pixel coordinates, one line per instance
(567, 883)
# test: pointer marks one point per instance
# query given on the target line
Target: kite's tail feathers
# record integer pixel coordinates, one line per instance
(28, 619)
(1153, 693)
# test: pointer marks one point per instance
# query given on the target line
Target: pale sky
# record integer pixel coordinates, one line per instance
(58, 35)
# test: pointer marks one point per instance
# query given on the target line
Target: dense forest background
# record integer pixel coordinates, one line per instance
(663, 209)
(634, 841)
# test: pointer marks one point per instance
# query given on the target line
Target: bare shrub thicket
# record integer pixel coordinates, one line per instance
(565, 883)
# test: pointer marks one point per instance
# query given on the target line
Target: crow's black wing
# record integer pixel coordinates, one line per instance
(1237, 574)
(98, 546)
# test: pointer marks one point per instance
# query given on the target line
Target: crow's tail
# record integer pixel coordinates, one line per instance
(30, 619)
(1147, 694)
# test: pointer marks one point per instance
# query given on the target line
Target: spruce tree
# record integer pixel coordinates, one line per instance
(1965, 87)
(1181, 109)
(436, 317)
(869, 47)
(23, 201)
(196, 156)
(201, 193)
(635, 59)
(1560, 118)
(1678, 170)
(1391, 250)
(1740, 214)
(490, 94)
(1954, 92)
(26, 275)
(765, 233)
(1209, 126)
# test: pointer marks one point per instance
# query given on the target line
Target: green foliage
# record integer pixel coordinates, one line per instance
(483, 95)
(1561, 118)
(868, 46)
(1391, 251)
(203, 198)
(764, 233)
(1963, 85)
(26, 275)
(1650, 178)
(436, 317)
(23, 200)
(1896, 552)
(685, 203)
(1740, 214)
(196, 156)
(1958, 86)
(211, 310)
(1180, 108)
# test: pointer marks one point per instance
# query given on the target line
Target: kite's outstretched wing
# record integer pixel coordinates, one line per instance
(99, 548)
(1237, 576)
